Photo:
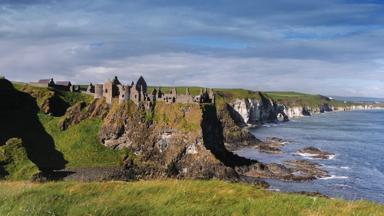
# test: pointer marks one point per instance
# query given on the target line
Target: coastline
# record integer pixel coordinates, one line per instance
(349, 171)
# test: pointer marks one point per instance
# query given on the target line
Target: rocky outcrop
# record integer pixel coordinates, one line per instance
(48, 101)
(80, 111)
(271, 145)
(298, 170)
(258, 111)
(235, 135)
(174, 140)
(315, 153)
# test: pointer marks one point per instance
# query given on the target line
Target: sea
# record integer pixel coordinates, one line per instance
(357, 140)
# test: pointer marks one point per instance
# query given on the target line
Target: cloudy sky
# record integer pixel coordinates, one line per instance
(332, 47)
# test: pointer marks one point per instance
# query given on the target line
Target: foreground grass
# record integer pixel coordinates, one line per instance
(168, 197)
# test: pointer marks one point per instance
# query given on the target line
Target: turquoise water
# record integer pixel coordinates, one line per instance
(357, 139)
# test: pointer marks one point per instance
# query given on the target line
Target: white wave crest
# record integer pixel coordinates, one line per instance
(334, 177)
(311, 156)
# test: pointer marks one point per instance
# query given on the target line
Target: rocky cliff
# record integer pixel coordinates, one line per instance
(178, 140)
(266, 110)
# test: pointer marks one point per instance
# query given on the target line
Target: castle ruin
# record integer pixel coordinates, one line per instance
(137, 92)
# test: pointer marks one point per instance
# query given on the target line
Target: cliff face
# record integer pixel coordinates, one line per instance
(178, 140)
(265, 110)
(258, 111)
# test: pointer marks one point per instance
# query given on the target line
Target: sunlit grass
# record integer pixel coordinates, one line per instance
(79, 143)
(166, 197)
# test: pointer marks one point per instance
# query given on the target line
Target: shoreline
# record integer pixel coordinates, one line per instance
(334, 175)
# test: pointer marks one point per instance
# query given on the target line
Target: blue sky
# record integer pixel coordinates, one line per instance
(332, 47)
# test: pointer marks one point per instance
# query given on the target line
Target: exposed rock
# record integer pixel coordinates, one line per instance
(48, 100)
(315, 153)
(290, 171)
(267, 148)
(271, 145)
(235, 135)
(73, 116)
(257, 111)
(80, 111)
(181, 141)
(306, 168)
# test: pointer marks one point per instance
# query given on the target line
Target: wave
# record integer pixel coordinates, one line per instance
(335, 167)
(273, 189)
(334, 177)
(314, 156)
(270, 125)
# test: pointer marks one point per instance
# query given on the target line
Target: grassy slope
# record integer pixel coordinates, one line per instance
(297, 98)
(79, 143)
(171, 197)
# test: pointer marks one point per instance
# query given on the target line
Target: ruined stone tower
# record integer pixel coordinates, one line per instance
(98, 91)
(124, 93)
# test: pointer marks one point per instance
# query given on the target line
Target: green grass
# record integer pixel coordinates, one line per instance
(166, 197)
(302, 99)
(74, 97)
(80, 144)
(15, 162)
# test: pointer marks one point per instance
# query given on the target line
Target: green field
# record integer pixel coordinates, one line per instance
(166, 197)
(303, 99)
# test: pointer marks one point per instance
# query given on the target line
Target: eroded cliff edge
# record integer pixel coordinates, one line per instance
(267, 109)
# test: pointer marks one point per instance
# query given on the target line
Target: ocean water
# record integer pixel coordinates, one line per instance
(357, 140)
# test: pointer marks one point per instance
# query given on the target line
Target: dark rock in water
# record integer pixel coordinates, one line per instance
(306, 168)
(271, 145)
(299, 170)
(267, 148)
(315, 153)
